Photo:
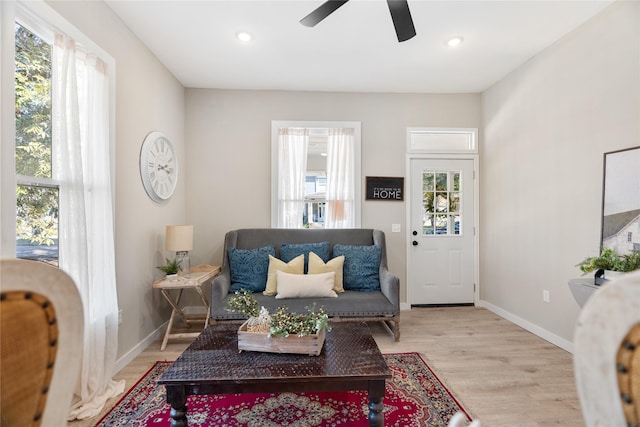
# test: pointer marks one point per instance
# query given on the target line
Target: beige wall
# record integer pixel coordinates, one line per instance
(544, 130)
(228, 133)
(546, 127)
(148, 98)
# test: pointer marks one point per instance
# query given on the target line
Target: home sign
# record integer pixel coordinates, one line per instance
(385, 188)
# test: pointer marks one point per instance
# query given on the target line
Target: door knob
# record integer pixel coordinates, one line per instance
(414, 243)
(415, 233)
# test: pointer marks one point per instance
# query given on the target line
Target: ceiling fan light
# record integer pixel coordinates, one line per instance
(455, 41)
(243, 36)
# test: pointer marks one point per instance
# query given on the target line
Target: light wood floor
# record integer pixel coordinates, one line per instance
(503, 375)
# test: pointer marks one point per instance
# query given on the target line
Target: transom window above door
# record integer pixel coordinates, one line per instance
(315, 174)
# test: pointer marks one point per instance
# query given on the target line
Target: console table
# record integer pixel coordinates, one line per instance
(582, 288)
(198, 276)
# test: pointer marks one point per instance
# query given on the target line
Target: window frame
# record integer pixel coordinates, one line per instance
(356, 126)
(47, 35)
(43, 20)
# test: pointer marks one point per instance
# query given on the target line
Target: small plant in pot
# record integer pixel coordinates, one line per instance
(612, 261)
(170, 268)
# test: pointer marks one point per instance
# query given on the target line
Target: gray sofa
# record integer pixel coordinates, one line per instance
(379, 305)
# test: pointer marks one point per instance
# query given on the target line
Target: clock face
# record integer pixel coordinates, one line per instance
(158, 166)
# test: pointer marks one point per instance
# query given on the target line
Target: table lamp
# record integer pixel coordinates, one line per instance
(179, 238)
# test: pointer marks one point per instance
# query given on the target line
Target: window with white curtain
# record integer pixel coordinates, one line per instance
(292, 158)
(315, 174)
(37, 192)
(57, 199)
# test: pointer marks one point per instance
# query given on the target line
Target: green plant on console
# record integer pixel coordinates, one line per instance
(171, 267)
(611, 260)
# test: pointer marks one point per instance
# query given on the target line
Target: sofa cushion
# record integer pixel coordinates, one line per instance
(317, 265)
(249, 268)
(361, 266)
(289, 251)
(305, 285)
(348, 304)
(295, 266)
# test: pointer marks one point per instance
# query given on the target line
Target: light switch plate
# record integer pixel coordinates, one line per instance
(395, 228)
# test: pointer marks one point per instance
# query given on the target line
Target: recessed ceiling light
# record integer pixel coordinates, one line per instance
(455, 41)
(243, 36)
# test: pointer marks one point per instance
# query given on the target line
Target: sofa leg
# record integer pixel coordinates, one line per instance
(396, 328)
(393, 326)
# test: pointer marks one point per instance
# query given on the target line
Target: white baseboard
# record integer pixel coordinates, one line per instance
(126, 358)
(405, 306)
(531, 327)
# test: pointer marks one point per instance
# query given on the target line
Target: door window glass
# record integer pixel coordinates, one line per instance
(441, 201)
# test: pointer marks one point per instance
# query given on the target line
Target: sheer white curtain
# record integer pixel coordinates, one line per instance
(292, 165)
(80, 127)
(340, 179)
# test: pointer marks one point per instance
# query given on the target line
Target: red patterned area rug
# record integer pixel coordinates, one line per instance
(415, 397)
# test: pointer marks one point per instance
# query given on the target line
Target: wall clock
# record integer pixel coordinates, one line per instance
(158, 167)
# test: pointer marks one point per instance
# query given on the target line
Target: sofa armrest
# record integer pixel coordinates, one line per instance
(390, 287)
(220, 286)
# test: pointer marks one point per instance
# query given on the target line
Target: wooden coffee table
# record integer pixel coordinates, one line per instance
(212, 364)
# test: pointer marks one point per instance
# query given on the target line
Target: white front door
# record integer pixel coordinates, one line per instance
(442, 242)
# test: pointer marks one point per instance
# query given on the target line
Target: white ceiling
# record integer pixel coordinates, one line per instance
(355, 49)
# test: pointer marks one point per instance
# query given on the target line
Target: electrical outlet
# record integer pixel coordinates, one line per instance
(545, 295)
(395, 228)
(120, 317)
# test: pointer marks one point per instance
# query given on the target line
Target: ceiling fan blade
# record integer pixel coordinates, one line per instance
(325, 9)
(402, 19)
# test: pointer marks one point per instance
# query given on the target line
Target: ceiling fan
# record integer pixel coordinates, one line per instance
(399, 9)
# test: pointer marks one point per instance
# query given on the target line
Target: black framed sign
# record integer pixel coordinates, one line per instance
(385, 188)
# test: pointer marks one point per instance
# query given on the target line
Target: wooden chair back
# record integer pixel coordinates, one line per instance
(628, 368)
(606, 355)
(41, 326)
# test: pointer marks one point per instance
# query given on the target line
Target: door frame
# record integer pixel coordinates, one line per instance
(457, 155)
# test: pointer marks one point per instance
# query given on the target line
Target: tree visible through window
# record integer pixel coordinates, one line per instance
(37, 191)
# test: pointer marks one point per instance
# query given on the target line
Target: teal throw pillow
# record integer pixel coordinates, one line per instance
(289, 251)
(361, 267)
(249, 268)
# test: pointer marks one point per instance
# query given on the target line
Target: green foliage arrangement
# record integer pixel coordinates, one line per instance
(611, 260)
(283, 323)
(171, 267)
(244, 303)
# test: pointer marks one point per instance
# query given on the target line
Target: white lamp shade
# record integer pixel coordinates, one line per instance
(179, 238)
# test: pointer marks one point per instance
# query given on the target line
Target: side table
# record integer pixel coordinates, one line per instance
(198, 276)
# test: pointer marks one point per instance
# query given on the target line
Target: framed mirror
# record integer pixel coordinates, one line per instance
(621, 201)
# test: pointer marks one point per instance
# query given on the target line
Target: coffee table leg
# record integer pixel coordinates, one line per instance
(177, 398)
(376, 405)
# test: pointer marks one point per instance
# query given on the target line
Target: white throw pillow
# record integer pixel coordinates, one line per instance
(305, 285)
